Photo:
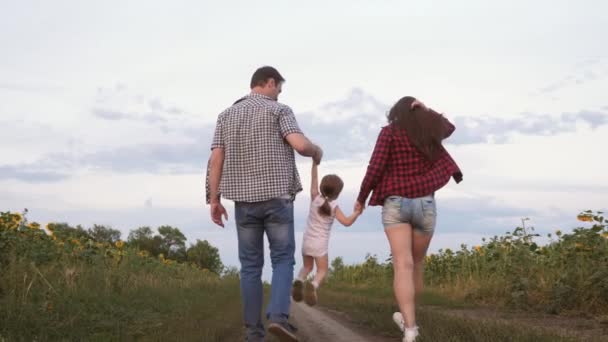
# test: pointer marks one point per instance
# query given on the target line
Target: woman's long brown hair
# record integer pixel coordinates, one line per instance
(424, 127)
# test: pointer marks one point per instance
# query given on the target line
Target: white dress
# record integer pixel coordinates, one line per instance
(316, 236)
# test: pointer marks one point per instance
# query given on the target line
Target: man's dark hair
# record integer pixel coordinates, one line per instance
(263, 74)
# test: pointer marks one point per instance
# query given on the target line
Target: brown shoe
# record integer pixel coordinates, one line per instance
(285, 332)
(310, 294)
(297, 290)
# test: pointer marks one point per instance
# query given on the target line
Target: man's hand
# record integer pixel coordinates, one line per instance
(318, 155)
(217, 211)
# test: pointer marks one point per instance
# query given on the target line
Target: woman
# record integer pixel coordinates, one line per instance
(407, 166)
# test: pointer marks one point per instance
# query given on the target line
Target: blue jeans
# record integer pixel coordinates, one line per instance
(275, 217)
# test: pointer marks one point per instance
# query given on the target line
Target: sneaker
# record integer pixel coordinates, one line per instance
(410, 334)
(285, 332)
(398, 319)
(297, 290)
(310, 293)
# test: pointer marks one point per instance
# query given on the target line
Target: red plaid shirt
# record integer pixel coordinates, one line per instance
(398, 168)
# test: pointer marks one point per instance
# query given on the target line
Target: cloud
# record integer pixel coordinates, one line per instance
(155, 158)
(547, 186)
(31, 175)
(109, 114)
(474, 130)
(27, 87)
(152, 158)
(119, 103)
(583, 72)
(113, 115)
(595, 119)
(346, 129)
(351, 126)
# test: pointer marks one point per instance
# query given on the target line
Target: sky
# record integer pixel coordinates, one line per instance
(107, 108)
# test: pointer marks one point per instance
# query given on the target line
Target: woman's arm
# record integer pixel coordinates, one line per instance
(376, 166)
(344, 220)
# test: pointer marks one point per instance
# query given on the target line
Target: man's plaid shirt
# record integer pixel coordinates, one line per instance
(398, 168)
(259, 164)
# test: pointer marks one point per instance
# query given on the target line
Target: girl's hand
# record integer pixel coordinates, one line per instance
(318, 155)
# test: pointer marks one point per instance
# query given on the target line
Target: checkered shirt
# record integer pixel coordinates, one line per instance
(398, 168)
(259, 164)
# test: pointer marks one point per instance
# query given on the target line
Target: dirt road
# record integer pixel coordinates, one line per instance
(317, 325)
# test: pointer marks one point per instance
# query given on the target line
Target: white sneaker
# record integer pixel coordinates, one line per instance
(410, 334)
(398, 319)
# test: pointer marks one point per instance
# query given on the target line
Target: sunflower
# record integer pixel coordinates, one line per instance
(17, 218)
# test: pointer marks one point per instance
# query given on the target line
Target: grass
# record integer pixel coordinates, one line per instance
(62, 287)
(372, 308)
(133, 301)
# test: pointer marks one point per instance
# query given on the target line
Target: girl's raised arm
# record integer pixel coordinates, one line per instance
(314, 182)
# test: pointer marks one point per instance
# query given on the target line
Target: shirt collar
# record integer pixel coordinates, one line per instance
(259, 96)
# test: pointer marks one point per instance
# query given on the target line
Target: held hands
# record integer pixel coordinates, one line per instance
(317, 155)
(217, 211)
(359, 207)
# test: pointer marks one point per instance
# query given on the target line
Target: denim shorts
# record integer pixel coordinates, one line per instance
(420, 212)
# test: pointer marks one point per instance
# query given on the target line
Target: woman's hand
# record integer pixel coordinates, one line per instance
(359, 207)
(417, 103)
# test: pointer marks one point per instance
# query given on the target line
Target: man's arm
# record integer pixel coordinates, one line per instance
(216, 166)
(304, 147)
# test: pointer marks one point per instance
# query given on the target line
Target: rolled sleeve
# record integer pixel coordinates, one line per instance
(287, 122)
(218, 140)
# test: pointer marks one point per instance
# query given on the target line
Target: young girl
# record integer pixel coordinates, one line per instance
(323, 210)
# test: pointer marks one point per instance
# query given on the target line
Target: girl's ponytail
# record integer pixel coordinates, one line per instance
(325, 209)
(330, 188)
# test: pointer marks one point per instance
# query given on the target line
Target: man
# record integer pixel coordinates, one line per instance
(253, 163)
